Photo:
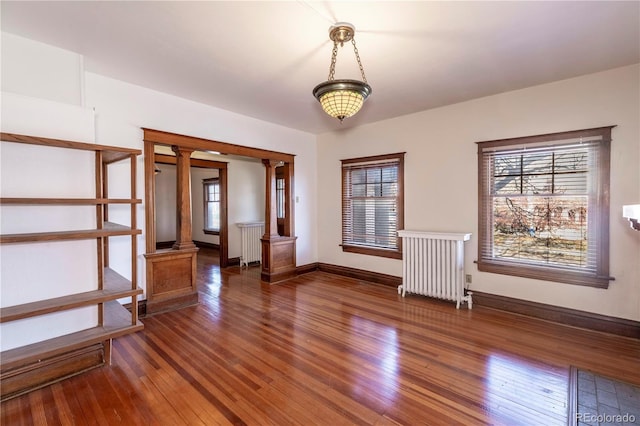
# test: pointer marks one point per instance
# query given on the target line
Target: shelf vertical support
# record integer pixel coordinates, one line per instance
(134, 239)
(100, 241)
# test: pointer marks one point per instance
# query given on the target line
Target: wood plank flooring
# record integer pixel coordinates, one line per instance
(327, 350)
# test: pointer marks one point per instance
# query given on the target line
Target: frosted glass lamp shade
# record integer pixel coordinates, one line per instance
(342, 98)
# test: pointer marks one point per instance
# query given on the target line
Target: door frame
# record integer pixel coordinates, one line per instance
(157, 137)
(221, 166)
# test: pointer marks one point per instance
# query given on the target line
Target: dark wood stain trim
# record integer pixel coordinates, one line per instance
(167, 138)
(558, 314)
(393, 156)
(142, 307)
(305, 269)
(116, 153)
(400, 206)
(224, 221)
(596, 131)
(149, 197)
(290, 221)
(161, 245)
(371, 251)
(360, 274)
(204, 244)
(44, 372)
(543, 273)
(573, 317)
(195, 162)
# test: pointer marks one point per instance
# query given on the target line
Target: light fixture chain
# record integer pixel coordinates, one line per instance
(334, 56)
(355, 49)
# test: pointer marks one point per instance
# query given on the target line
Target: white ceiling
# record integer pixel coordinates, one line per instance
(262, 59)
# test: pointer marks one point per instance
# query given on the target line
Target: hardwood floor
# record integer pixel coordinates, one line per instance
(323, 349)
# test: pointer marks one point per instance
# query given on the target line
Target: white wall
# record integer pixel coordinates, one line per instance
(197, 204)
(441, 177)
(39, 70)
(166, 193)
(246, 199)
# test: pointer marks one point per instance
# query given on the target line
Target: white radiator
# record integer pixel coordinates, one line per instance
(433, 265)
(251, 246)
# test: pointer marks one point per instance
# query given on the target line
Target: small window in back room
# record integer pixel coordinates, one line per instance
(211, 205)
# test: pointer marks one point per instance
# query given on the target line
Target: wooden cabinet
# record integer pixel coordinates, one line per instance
(37, 364)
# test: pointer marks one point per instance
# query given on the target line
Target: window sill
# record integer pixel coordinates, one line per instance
(210, 232)
(543, 273)
(371, 251)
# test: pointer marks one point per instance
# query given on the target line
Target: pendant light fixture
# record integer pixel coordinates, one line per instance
(342, 98)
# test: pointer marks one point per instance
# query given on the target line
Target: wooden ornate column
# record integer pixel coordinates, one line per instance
(278, 251)
(270, 215)
(171, 274)
(184, 234)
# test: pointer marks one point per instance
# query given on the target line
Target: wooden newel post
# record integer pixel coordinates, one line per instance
(184, 236)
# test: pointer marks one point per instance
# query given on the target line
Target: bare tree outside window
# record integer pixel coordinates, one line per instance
(544, 206)
(540, 206)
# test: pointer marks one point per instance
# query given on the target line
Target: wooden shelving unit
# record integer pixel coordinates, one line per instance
(109, 230)
(67, 201)
(32, 366)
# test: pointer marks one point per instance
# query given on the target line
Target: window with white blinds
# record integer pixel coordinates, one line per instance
(211, 205)
(372, 205)
(280, 196)
(544, 207)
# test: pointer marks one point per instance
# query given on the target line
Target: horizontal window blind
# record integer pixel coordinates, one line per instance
(280, 194)
(212, 204)
(544, 204)
(370, 202)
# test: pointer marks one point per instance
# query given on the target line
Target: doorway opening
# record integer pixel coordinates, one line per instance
(209, 195)
(171, 273)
